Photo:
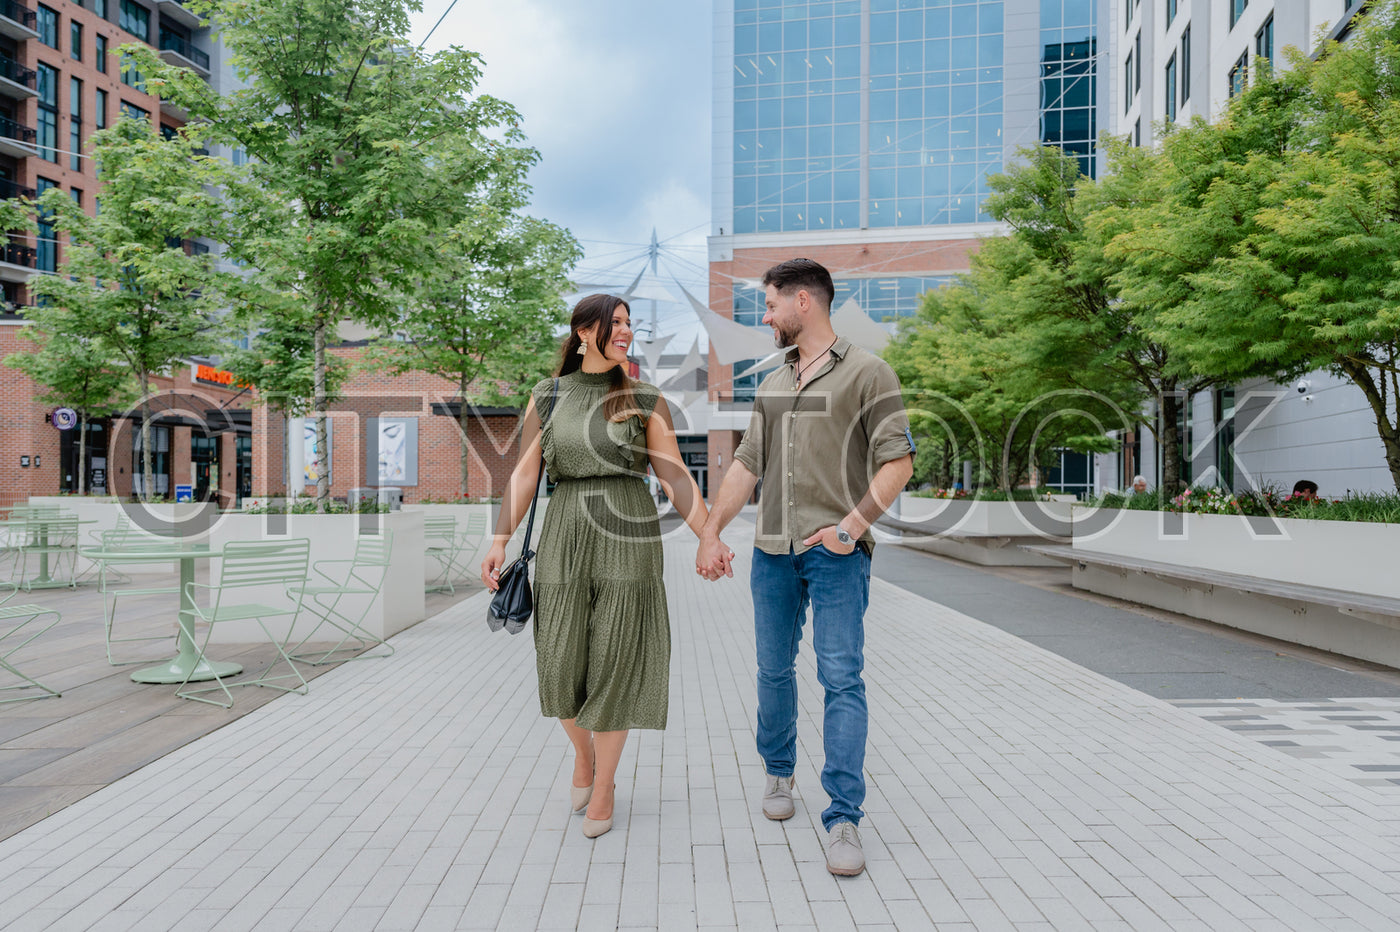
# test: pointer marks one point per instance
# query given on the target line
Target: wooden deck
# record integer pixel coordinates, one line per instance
(55, 751)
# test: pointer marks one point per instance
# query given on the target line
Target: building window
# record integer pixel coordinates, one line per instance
(1171, 11)
(135, 19)
(135, 112)
(160, 460)
(130, 76)
(1137, 63)
(47, 25)
(1068, 94)
(1236, 10)
(1239, 75)
(100, 108)
(1137, 132)
(75, 124)
(76, 195)
(99, 52)
(1170, 83)
(1186, 63)
(75, 40)
(46, 259)
(48, 113)
(1264, 40)
(1128, 88)
(100, 8)
(1128, 14)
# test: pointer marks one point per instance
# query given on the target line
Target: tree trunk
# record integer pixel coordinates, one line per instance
(1388, 430)
(146, 460)
(462, 419)
(81, 485)
(323, 473)
(944, 477)
(1169, 409)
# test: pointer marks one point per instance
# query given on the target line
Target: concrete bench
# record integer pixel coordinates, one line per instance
(1355, 624)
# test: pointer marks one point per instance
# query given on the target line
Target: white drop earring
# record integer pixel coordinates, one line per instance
(582, 348)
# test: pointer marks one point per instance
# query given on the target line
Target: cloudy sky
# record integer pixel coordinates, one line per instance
(616, 96)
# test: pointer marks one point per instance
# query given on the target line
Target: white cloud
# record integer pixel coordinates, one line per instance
(615, 95)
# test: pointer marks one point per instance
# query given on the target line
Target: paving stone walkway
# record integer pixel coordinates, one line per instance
(1008, 789)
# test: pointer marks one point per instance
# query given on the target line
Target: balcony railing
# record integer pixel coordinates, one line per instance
(19, 13)
(174, 42)
(17, 131)
(15, 254)
(14, 71)
(10, 189)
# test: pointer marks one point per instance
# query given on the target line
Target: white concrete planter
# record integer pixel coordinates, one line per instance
(400, 603)
(158, 519)
(1346, 556)
(986, 533)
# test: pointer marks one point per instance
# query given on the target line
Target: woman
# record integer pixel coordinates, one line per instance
(602, 633)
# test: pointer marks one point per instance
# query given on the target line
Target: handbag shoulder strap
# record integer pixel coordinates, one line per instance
(530, 521)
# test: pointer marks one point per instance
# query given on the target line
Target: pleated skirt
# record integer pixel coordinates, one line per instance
(602, 631)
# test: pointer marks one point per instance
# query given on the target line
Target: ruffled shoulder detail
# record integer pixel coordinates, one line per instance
(630, 435)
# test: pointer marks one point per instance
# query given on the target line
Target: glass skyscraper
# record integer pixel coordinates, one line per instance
(861, 133)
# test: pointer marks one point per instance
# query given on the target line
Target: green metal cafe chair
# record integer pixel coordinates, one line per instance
(114, 543)
(19, 626)
(341, 594)
(250, 571)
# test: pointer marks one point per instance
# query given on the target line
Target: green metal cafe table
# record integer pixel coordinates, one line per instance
(45, 524)
(186, 664)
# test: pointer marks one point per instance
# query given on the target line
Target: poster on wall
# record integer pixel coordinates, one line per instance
(391, 451)
(311, 460)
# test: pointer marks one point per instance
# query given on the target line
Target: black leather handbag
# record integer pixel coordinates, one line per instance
(514, 601)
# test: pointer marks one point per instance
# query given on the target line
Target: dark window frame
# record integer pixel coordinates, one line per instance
(1186, 64)
(46, 24)
(1170, 82)
(1238, 78)
(47, 113)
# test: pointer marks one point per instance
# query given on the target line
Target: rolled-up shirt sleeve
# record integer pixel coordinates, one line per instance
(886, 422)
(749, 453)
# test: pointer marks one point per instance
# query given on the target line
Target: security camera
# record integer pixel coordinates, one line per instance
(1303, 386)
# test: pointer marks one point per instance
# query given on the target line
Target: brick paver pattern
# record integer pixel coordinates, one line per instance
(1008, 789)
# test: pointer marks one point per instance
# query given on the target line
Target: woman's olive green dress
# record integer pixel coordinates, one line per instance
(602, 634)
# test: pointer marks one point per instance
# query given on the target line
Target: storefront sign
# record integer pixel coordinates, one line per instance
(184, 493)
(203, 373)
(64, 418)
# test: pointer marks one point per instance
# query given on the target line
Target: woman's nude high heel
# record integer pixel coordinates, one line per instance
(579, 797)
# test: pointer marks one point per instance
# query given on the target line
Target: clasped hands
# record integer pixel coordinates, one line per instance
(713, 559)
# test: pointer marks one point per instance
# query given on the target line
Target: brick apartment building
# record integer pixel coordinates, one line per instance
(60, 81)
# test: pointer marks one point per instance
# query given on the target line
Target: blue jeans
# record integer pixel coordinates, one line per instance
(838, 589)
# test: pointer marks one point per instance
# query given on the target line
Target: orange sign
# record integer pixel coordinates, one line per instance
(205, 373)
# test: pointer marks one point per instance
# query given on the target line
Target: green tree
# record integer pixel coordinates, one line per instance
(1079, 329)
(125, 283)
(980, 387)
(78, 371)
(359, 150)
(1286, 219)
(487, 320)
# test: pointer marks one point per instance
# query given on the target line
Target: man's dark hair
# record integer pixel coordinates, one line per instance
(796, 274)
(1306, 486)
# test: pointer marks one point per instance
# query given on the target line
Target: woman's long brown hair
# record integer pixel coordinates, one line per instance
(620, 403)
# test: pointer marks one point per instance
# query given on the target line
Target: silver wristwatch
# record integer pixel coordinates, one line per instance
(843, 537)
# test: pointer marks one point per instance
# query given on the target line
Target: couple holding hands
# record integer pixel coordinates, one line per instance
(829, 438)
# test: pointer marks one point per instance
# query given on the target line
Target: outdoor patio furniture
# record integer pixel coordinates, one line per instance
(19, 625)
(250, 569)
(453, 550)
(356, 582)
(51, 540)
(124, 546)
(442, 544)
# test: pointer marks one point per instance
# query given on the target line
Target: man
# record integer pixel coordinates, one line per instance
(830, 438)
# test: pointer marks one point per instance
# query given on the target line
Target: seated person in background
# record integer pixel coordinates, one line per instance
(1139, 485)
(1304, 489)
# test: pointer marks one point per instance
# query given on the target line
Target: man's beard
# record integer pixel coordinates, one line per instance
(785, 337)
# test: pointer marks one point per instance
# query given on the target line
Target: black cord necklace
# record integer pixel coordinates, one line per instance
(802, 369)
